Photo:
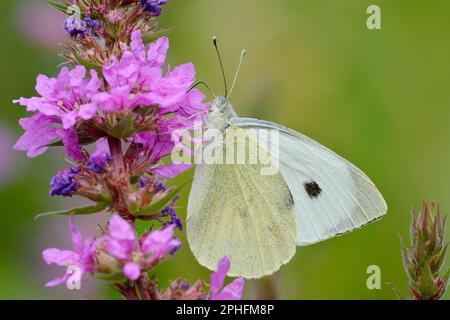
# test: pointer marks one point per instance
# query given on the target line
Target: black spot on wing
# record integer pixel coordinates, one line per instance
(312, 189)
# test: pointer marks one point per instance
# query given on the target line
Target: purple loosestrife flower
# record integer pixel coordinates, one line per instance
(99, 161)
(74, 106)
(233, 290)
(91, 24)
(64, 183)
(154, 6)
(81, 256)
(136, 256)
(75, 27)
(64, 100)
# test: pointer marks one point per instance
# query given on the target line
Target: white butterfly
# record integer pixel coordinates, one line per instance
(259, 220)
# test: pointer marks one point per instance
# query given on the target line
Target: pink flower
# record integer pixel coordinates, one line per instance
(63, 101)
(232, 291)
(81, 256)
(76, 106)
(136, 256)
(137, 79)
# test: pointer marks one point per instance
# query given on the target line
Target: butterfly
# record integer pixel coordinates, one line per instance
(258, 220)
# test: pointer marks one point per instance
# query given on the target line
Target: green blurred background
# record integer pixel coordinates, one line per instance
(379, 98)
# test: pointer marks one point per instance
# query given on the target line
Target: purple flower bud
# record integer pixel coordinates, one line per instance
(174, 250)
(92, 25)
(153, 6)
(64, 183)
(159, 187)
(75, 27)
(142, 182)
(99, 161)
(175, 219)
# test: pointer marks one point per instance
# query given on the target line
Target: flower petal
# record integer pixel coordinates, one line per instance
(57, 281)
(172, 170)
(132, 270)
(87, 111)
(77, 240)
(137, 46)
(69, 138)
(38, 133)
(232, 291)
(218, 277)
(120, 229)
(157, 52)
(59, 257)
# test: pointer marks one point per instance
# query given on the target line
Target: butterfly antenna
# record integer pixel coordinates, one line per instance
(221, 65)
(243, 54)
(204, 84)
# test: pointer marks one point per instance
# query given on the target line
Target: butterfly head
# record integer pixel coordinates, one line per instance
(220, 112)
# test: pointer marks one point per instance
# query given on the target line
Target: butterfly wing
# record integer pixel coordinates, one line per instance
(331, 195)
(233, 210)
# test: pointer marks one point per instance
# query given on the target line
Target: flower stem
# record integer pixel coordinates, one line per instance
(120, 177)
(115, 147)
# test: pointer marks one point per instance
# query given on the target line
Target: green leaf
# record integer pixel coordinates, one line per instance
(89, 64)
(76, 211)
(152, 36)
(124, 128)
(160, 204)
(63, 8)
(58, 6)
(397, 291)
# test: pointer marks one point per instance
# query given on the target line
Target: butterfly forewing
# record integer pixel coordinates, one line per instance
(332, 196)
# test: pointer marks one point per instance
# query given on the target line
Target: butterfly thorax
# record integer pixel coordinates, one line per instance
(220, 112)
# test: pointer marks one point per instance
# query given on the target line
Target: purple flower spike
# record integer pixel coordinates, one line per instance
(99, 161)
(121, 241)
(75, 27)
(153, 6)
(233, 290)
(64, 183)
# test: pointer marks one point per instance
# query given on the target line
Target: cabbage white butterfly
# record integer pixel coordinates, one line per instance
(258, 220)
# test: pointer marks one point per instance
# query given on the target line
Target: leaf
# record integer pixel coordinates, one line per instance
(58, 6)
(63, 8)
(160, 204)
(89, 64)
(406, 259)
(152, 36)
(76, 211)
(397, 291)
(124, 128)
